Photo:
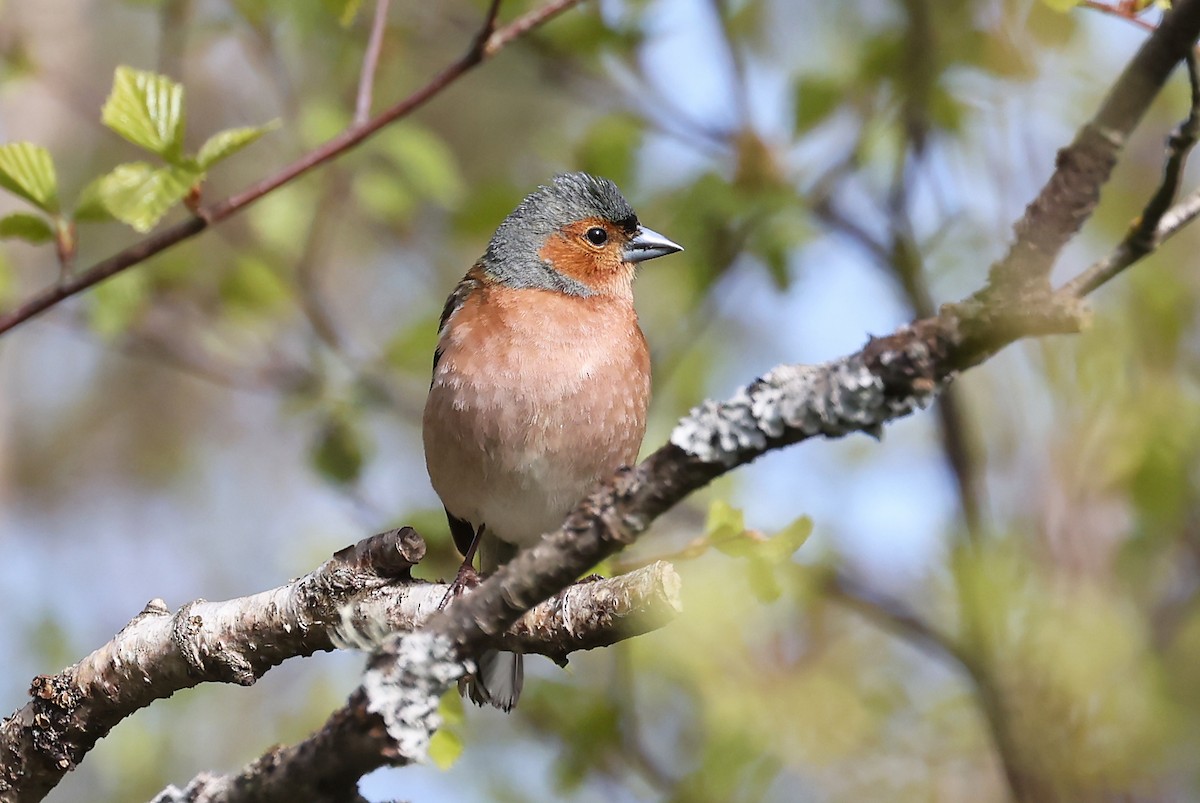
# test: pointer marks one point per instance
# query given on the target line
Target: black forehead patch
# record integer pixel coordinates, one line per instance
(629, 224)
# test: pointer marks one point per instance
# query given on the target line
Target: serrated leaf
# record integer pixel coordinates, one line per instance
(140, 194)
(147, 109)
(224, 144)
(26, 170)
(27, 227)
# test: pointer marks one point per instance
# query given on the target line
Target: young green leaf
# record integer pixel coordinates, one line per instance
(447, 745)
(783, 544)
(727, 531)
(147, 109)
(444, 749)
(26, 170)
(27, 227)
(224, 144)
(140, 194)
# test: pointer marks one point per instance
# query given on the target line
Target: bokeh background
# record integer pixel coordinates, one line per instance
(225, 417)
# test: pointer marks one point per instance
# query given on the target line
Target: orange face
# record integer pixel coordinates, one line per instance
(591, 252)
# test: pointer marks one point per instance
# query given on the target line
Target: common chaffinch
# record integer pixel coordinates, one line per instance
(541, 379)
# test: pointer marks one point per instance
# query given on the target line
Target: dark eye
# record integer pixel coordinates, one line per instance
(596, 235)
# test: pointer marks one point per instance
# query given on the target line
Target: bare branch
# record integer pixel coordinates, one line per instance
(492, 42)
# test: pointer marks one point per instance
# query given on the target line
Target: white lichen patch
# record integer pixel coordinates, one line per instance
(405, 690)
(832, 400)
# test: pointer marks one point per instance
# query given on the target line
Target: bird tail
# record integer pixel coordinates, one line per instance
(497, 681)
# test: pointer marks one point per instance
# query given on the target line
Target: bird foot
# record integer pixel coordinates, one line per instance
(466, 578)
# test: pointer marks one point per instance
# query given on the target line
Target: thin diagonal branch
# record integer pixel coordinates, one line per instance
(487, 43)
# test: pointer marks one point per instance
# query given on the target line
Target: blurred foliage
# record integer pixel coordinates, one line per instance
(217, 419)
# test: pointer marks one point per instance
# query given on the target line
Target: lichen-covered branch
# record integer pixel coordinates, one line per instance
(365, 591)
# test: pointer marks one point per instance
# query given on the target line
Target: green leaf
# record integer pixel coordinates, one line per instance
(726, 529)
(224, 144)
(782, 545)
(26, 170)
(140, 194)
(27, 227)
(445, 748)
(147, 109)
(447, 744)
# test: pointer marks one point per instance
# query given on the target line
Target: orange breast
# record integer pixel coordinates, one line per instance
(537, 396)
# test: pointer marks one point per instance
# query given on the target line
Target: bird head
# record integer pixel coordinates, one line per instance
(577, 235)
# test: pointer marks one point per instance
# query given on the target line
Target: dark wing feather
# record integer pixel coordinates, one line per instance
(460, 529)
(469, 284)
(462, 532)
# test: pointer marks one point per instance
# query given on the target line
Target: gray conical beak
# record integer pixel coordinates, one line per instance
(648, 244)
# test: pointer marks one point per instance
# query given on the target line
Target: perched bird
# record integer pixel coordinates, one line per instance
(541, 380)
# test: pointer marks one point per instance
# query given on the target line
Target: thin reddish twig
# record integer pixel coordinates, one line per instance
(489, 42)
(1118, 11)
